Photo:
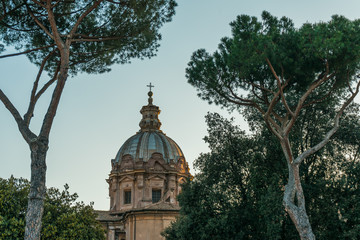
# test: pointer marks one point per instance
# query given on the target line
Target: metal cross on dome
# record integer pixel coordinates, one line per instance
(150, 86)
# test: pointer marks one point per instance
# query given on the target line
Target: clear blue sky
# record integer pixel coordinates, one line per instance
(98, 113)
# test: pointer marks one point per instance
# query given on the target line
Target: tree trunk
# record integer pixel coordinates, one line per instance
(294, 202)
(294, 199)
(37, 189)
(38, 157)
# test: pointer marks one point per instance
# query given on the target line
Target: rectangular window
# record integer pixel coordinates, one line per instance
(156, 195)
(127, 196)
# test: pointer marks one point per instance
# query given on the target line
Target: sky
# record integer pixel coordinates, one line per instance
(98, 113)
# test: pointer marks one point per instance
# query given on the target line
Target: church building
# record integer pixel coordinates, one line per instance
(144, 181)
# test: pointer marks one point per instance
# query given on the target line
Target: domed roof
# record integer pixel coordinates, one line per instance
(143, 144)
(150, 139)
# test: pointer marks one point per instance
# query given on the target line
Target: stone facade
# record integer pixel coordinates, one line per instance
(144, 182)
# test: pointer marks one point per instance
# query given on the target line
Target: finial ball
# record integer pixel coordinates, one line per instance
(150, 93)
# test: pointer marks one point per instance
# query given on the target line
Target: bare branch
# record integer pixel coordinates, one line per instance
(271, 106)
(322, 98)
(239, 98)
(95, 39)
(54, 103)
(243, 101)
(24, 130)
(330, 133)
(72, 12)
(28, 115)
(260, 87)
(27, 51)
(17, 29)
(87, 12)
(56, 3)
(256, 95)
(38, 3)
(99, 27)
(301, 101)
(48, 84)
(8, 104)
(233, 101)
(112, 1)
(273, 128)
(280, 88)
(39, 23)
(348, 83)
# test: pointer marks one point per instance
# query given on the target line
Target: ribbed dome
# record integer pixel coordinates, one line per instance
(143, 144)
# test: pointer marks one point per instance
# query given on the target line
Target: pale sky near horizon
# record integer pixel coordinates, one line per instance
(98, 113)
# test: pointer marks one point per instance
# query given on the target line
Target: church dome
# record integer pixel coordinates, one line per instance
(143, 144)
(150, 139)
(145, 180)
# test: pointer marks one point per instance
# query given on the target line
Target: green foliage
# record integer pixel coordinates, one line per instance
(114, 32)
(238, 192)
(241, 67)
(13, 202)
(64, 218)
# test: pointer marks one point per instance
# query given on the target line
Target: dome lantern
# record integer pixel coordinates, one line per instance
(150, 116)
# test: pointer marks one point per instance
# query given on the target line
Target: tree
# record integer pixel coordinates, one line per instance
(239, 179)
(237, 194)
(280, 71)
(64, 218)
(213, 204)
(64, 38)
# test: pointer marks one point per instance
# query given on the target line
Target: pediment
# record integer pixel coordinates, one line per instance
(126, 178)
(157, 164)
(157, 177)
